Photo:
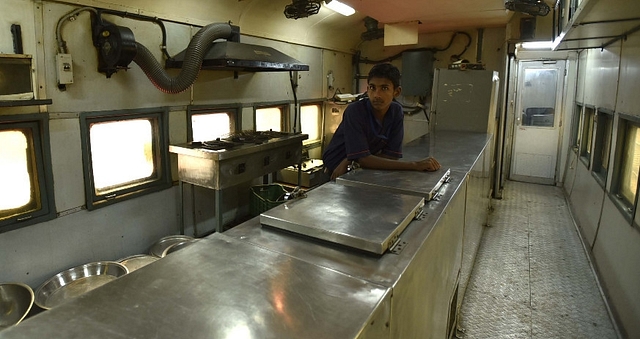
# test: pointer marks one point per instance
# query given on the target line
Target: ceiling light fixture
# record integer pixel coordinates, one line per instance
(339, 7)
(537, 45)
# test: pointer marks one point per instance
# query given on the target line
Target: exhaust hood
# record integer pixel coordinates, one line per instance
(236, 56)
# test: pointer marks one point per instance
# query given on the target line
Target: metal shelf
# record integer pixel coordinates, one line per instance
(598, 24)
(16, 103)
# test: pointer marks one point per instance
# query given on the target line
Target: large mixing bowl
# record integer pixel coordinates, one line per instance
(161, 245)
(77, 281)
(137, 261)
(16, 300)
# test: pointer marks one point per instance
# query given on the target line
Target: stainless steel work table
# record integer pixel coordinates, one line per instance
(411, 271)
(220, 287)
(383, 269)
(457, 150)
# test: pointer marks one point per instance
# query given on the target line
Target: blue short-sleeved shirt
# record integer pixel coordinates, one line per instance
(360, 134)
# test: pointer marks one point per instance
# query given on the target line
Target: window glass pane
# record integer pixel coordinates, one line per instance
(587, 132)
(310, 121)
(630, 164)
(15, 181)
(121, 153)
(269, 119)
(606, 143)
(539, 97)
(576, 125)
(210, 126)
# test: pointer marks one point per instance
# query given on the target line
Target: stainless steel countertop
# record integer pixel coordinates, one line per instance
(218, 287)
(458, 151)
(334, 213)
(200, 152)
(384, 270)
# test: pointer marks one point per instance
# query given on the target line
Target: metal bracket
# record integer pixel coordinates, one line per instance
(445, 179)
(398, 246)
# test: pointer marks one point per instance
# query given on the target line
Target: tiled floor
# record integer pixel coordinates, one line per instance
(532, 278)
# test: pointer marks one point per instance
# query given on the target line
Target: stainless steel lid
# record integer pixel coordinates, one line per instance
(334, 213)
(424, 184)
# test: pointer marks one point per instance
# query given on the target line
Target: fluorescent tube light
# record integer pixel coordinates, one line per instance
(339, 7)
(537, 45)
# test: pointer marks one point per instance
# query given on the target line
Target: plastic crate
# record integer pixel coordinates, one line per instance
(266, 197)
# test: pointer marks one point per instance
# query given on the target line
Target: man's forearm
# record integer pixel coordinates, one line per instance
(386, 163)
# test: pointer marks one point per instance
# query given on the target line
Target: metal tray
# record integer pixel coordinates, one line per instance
(77, 281)
(334, 213)
(137, 261)
(177, 246)
(161, 245)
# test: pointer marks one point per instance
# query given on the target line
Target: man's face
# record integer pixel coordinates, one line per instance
(381, 92)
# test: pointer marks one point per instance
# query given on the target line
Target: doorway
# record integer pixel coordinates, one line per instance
(537, 120)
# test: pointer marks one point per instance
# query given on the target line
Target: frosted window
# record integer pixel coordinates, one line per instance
(210, 126)
(15, 179)
(269, 119)
(121, 153)
(310, 122)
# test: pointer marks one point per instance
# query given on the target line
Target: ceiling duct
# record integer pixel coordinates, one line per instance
(373, 32)
(302, 9)
(531, 7)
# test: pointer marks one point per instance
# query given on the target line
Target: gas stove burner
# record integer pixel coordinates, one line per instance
(255, 137)
(215, 145)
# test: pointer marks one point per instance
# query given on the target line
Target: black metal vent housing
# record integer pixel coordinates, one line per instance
(116, 46)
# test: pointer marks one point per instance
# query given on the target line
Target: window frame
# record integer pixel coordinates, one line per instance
(602, 116)
(576, 128)
(233, 112)
(628, 209)
(586, 142)
(285, 119)
(161, 154)
(41, 158)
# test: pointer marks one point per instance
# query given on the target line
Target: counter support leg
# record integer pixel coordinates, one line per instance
(218, 210)
(181, 187)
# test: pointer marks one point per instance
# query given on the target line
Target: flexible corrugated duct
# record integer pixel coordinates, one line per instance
(195, 52)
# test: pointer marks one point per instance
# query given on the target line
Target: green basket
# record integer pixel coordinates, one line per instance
(266, 197)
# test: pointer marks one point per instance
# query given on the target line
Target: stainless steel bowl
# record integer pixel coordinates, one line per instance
(137, 261)
(177, 246)
(16, 300)
(77, 281)
(161, 245)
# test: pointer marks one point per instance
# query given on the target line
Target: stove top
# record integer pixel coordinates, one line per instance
(240, 138)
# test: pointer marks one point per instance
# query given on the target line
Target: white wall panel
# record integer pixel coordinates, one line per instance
(602, 82)
(617, 255)
(582, 75)
(586, 200)
(628, 98)
(66, 163)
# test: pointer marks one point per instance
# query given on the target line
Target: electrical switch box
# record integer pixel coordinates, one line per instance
(64, 68)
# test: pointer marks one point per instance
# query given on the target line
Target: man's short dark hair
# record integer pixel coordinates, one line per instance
(387, 71)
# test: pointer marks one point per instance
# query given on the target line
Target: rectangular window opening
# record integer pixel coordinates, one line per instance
(587, 135)
(602, 148)
(311, 122)
(270, 119)
(207, 126)
(125, 155)
(26, 184)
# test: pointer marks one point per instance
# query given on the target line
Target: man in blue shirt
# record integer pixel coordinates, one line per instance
(371, 130)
